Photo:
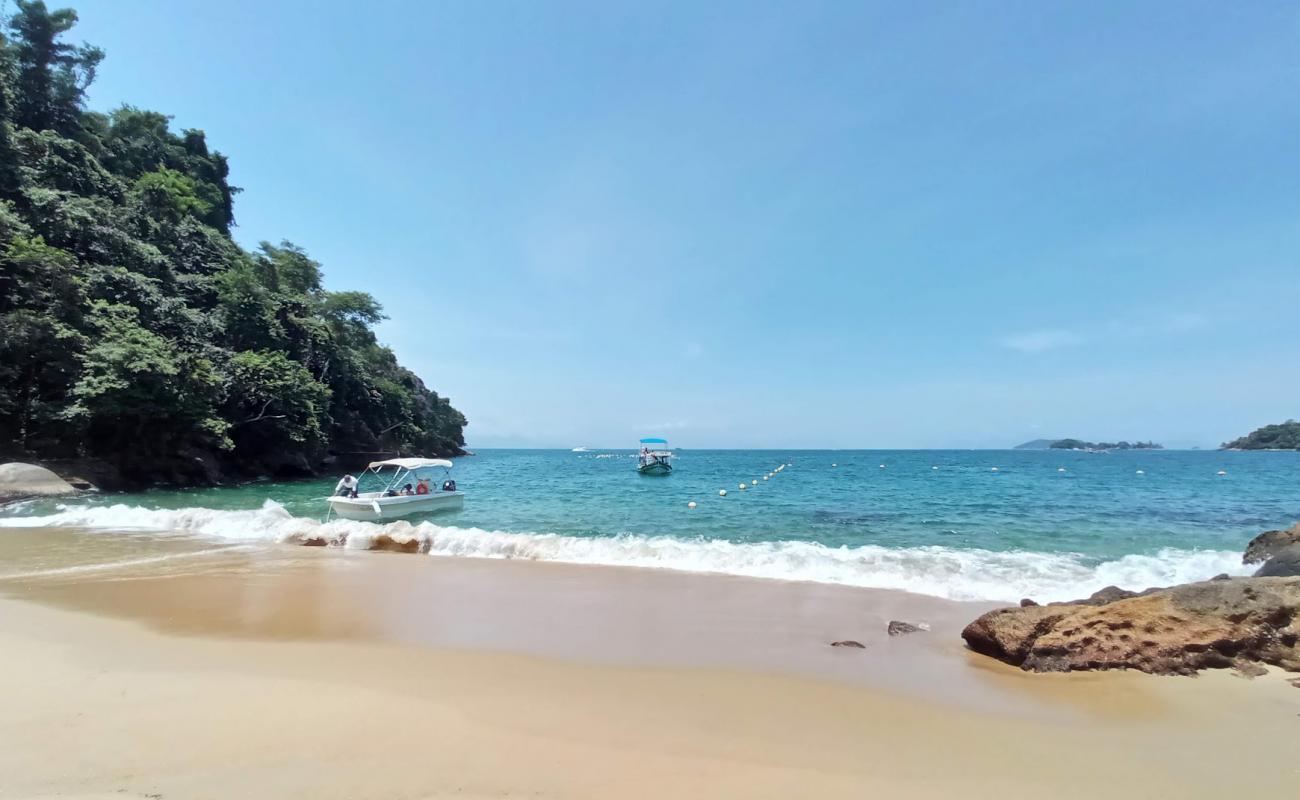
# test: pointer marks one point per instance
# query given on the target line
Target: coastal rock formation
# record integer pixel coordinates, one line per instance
(1278, 550)
(1284, 563)
(18, 480)
(1269, 543)
(1180, 630)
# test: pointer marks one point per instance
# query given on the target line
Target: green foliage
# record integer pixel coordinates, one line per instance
(52, 75)
(133, 328)
(274, 401)
(1079, 444)
(1285, 436)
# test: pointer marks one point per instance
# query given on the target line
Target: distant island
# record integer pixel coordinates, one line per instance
(1079, 444)
(1285, 436)
(137, 338)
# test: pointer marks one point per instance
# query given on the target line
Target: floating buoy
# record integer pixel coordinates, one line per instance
(1060, 469)
(882, 466)
(834, 465)
(691, 504)
(1223, 472)
(743, 486)
(754, 482)
(765, 477)
(995, 469)
(933, 467)
(1140, 472)
(722, 493)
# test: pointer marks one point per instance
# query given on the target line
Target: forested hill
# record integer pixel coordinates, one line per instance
(133, 329)
(1284, 436)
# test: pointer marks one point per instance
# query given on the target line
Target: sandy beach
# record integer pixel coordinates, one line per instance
(297, 672)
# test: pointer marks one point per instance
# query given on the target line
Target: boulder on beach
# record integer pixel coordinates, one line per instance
(849, 643)
(1175, 631)
(28, 480)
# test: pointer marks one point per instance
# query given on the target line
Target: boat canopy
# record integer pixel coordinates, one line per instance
(654, 441)
(411, 463)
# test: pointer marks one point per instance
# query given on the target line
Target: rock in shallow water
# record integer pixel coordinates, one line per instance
(1165, 631)
(849, 643)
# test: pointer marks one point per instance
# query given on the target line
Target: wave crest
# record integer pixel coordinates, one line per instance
(956, 574)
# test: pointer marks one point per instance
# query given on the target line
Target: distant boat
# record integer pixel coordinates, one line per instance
(655, 458)
(579, 450)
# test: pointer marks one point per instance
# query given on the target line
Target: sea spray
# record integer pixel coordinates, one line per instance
(954, 573)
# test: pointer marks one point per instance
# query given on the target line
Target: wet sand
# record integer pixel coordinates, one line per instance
(299, 672)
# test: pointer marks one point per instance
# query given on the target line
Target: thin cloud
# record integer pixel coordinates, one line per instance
(1041, 341)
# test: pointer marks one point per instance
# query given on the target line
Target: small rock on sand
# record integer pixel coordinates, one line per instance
(898, 627)
(849, 643)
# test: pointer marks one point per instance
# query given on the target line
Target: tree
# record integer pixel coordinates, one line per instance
(273, 403)
(52, 75)
(138, 392)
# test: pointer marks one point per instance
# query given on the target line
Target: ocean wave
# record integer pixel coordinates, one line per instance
(953, 573)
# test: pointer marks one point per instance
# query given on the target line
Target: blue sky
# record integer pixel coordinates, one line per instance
(774, 224)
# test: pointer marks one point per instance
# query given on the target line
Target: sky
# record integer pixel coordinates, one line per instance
(876, 225)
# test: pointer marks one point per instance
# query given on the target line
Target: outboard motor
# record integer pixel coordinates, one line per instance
(449, 486)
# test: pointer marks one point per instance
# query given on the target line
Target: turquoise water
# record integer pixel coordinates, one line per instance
(942, 522)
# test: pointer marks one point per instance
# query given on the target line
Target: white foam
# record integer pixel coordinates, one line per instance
(958, 574)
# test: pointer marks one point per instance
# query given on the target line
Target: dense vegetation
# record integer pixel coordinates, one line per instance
(133, 329)
(1077, 444)
(1285, 436)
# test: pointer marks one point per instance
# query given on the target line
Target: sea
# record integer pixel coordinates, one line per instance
(994, 525)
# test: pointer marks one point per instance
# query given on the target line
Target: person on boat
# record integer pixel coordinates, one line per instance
(347, 487)
(422, 486)
(407, 491)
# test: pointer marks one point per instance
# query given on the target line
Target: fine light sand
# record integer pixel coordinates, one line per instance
(292, 672)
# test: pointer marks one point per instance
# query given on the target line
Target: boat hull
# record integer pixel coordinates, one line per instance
(376, 508)
(655, 469)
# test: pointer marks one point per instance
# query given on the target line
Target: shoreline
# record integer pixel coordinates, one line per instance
(287, 672)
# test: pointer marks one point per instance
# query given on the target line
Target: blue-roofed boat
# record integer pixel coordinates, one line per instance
(655, 458)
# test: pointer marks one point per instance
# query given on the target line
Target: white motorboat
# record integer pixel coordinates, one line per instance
(408, 490)
(655, 457)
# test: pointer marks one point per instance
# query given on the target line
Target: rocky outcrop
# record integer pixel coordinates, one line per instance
(18, 480)
(1180, 630)
(1270, 543)
(1283, 564)
(1278, 550)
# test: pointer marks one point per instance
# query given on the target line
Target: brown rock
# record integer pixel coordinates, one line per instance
(849, 643)
(1166, 631)
(1248, 669)
(1107, 595)
(1268, 543)
(1025, 602)
(898, 627)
